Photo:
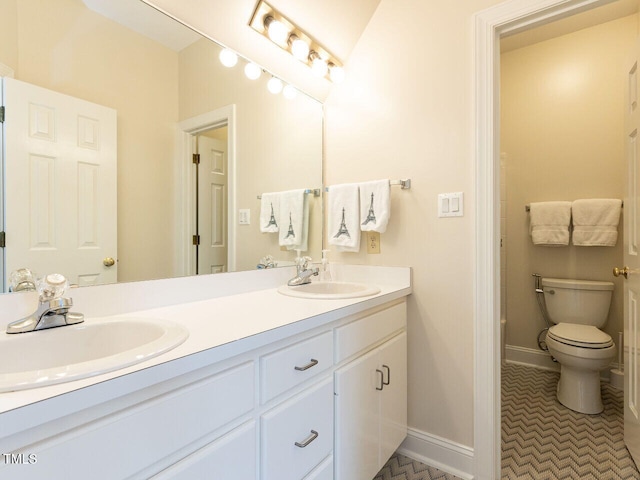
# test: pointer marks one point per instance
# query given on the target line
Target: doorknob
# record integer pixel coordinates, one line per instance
(621, 271)
(110, 262)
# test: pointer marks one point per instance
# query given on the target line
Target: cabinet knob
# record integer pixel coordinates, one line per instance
(308, 440)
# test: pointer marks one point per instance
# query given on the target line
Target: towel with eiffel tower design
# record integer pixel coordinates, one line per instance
(270, 212)
(375, 205)
(344, 213)
(294, 220)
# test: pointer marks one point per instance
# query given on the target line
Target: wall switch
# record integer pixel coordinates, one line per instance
(450, 204)
(373, 242)
(244, 216)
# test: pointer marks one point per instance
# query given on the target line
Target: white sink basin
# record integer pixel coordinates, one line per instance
(57, 355)
(330, 290)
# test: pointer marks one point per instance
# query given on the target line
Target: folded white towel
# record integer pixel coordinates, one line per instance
(595, 222)
(292, 208)
(549, 225)
(343, 218)
(304, 240)
(375, 206)
(270, 212)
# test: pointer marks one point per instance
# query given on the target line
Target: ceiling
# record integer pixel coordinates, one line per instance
(580, 21)
(336, 24)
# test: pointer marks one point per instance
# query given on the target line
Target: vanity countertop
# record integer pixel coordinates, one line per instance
(229, 324)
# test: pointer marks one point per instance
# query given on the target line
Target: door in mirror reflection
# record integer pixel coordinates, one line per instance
(211, 198)
(60, 204)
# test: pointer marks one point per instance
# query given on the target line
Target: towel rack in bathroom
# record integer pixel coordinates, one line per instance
(404, 184)
(315, 191)
(527, 208)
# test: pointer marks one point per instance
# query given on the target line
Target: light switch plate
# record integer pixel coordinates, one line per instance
(450, 204)
(244, 216)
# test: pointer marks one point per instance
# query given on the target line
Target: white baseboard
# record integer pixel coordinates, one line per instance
(531, 357)
(438, 452)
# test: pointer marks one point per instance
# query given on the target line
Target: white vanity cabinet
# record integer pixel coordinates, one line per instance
(371, 399)
(326, 402)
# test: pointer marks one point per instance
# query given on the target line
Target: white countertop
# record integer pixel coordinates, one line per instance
(219, 328)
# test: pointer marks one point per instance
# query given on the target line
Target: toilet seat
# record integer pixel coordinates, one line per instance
(584, 336)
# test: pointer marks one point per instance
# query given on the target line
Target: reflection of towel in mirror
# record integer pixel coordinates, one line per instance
(270, 212)
(343, 219)
(375, 206)
(595, 222)
(294, 220)
(550, 223)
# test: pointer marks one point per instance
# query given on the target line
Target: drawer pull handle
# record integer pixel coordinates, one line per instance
(388, 375)
(308, 440)
(312, 363)
(381, 379)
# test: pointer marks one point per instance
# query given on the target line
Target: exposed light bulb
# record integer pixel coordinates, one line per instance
(274, 85)
(252, 71)
(336, 74)
(228, 58)
(299, 48)
(289, 92)
(319, 67)
(277, 31)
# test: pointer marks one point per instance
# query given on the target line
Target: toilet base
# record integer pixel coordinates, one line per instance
(579, 390)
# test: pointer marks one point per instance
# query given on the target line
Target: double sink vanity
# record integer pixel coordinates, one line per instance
(228, 377)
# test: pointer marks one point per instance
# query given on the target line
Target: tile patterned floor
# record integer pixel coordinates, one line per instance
(542, 439)
(400, 467)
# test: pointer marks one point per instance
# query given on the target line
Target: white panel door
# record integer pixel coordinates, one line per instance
(60, 189)
(632, 261)
(393, 397)
(212, 205)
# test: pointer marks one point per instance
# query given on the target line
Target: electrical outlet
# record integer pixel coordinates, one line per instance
(373, 242)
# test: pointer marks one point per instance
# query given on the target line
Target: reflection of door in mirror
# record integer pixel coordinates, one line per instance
(211, 199)
(60, 205)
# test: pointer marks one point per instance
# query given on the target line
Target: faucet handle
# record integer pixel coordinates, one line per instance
(21, 280)
(52, 287)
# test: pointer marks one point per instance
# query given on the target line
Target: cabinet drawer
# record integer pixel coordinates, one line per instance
(294, 364)
(358, 335)
(291, 422)
(143, 434)
(324, 471)
(231, 457)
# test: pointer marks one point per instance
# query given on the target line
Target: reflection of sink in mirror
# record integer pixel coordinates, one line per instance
(58, 355)
(330, 290)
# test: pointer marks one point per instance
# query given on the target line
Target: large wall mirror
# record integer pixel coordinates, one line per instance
(83, 88)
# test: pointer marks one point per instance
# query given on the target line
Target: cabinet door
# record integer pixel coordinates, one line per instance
(393, 397)
(231, 457)
(357, 418)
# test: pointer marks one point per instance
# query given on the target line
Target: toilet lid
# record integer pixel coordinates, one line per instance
(586, 336)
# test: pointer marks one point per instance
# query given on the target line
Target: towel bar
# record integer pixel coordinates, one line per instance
(404, 184)
(527, 208)
(315, 191)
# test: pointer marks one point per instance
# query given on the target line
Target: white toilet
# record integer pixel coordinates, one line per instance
(579, 308)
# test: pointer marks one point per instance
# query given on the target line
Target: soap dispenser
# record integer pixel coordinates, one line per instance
(325, 271)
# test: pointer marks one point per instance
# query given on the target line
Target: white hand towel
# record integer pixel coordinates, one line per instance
(595, 222)
(375, 206)
(292, 218)
(304, 241)
(343, 219)
(270, 212)
(550, 223)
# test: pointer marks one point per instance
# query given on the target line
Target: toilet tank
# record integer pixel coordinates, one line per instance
(585, 302)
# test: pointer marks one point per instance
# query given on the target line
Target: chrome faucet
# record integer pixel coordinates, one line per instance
(53, 308)
(303, 272)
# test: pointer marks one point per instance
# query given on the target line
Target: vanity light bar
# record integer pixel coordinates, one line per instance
(265, 14)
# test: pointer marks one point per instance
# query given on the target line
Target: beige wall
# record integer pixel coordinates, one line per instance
(562, 133)
(405, 111)
(72, 58)
(278, 143)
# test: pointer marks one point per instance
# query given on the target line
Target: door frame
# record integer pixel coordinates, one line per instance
(184, 263)
(505, 18)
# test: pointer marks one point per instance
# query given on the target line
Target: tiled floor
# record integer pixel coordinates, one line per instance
(400, 467)
(542, 439)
